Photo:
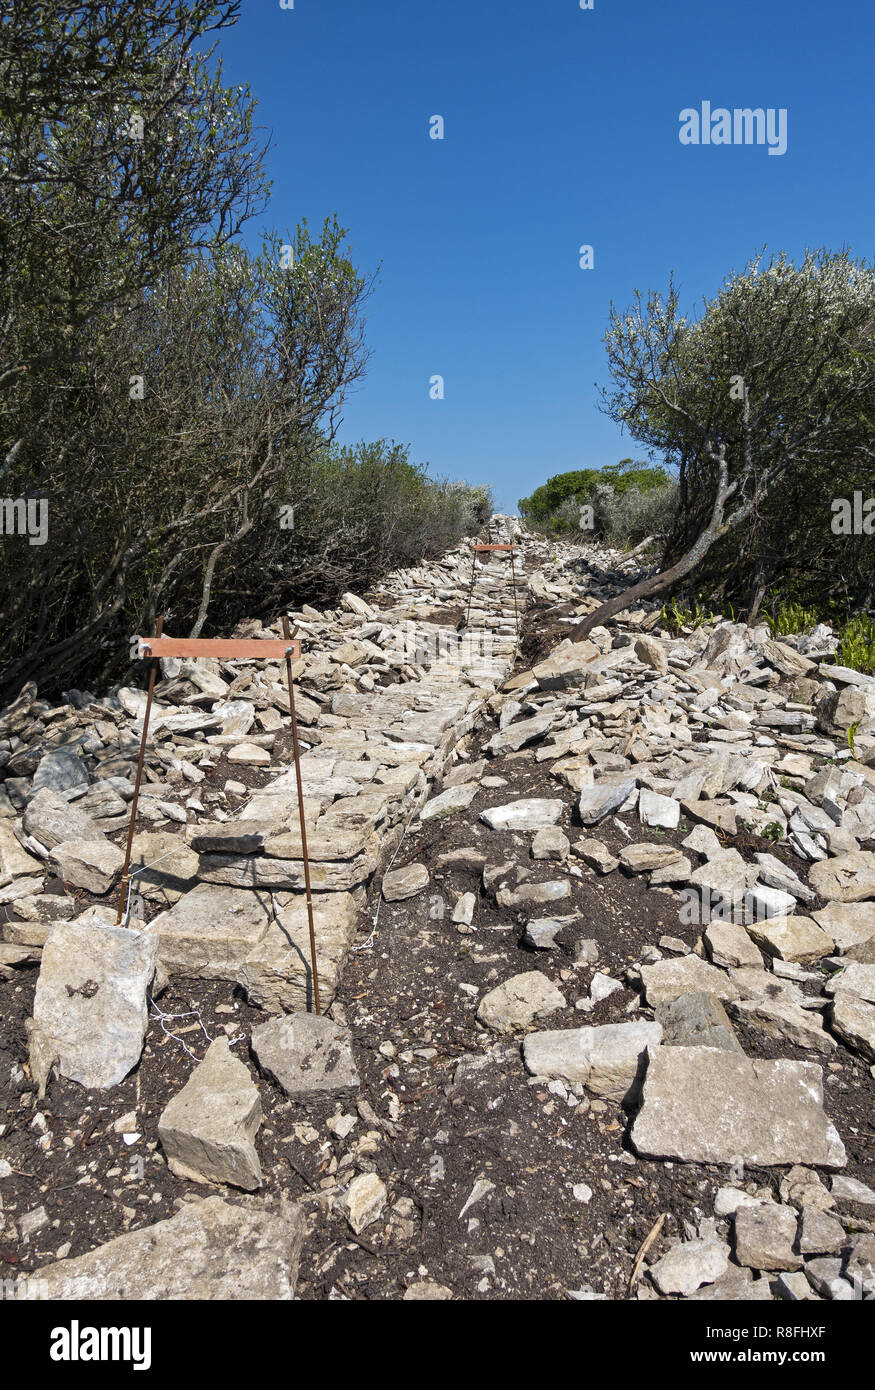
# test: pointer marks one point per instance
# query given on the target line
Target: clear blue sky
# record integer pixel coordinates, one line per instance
(561, 129)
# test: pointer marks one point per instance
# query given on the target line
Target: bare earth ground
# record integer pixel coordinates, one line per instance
(430, 1122)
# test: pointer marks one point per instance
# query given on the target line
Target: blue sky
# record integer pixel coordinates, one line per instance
(561, 129)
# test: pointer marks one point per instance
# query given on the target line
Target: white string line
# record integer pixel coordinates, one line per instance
(367, 944)
(193, 1013)
(142, 869)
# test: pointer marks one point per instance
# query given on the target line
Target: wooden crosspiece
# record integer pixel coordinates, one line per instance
(287, 648)
(227, 648)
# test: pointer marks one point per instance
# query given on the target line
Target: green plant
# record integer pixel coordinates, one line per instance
(790, 618)
(852, 733)
(676, 616)
(857, 644)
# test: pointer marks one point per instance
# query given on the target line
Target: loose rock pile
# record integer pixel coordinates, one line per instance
(479, 819)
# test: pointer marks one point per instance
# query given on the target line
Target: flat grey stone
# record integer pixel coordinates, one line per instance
(209, 1251)
(306, 1053)
(596, 856)
(94, 865)
(669, 979)
(689, 1265)
(447, 803)
(208, 1129)
(849, 924)
(704, 1105)
(529, 813)
(90, 1007)
(609, 1060)
(602, 800)
(514, 1005)
(849, 878)
(853, 1020)
(656, 809)
(517, 736)
(696, 1020)
(50, 818)
(765, 1235)
(399, 884)
(63, 772)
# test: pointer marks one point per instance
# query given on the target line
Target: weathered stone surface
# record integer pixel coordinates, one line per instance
(260, 871)
(597, 802)
(566, 668)
(249, 754)
(696, 1020)
(847, 879)
(596, 855)
(51, 818)
(551, 844)
(820, 1234)
(768, 902)
(659, 810)
(542, 933)
(802, 1187)
(427, 1291)
(209, 1250)
(729, 945)
(725, 876)
(15, 862)
(529, 813)
(90, 1007)
(856, 978)
(853, 1020)
(208, 1129)
(447, 803)
(845, 1189)
(164, 867)
(849, 924)
(764, 1237)
(609, 1060)
(514, 1005)
(652, 653)
(689, 1265)
(94, 865)
(668, 979)
(399, 884)
(276, 971)
(528, 893)
(211, 930)
(640, 858)
(781, 1018)
(63, 772)
(363, 1201)
(518, 735)
(702, 1105)
(792, 938)
(777, 875)
(305, 1053)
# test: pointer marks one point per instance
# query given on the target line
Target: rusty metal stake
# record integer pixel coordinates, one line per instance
(471, 586)
(128, 847)
(297, 755)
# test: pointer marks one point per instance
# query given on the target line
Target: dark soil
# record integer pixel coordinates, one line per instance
(430, 1124)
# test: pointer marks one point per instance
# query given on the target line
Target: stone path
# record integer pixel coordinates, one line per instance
(597, 936)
